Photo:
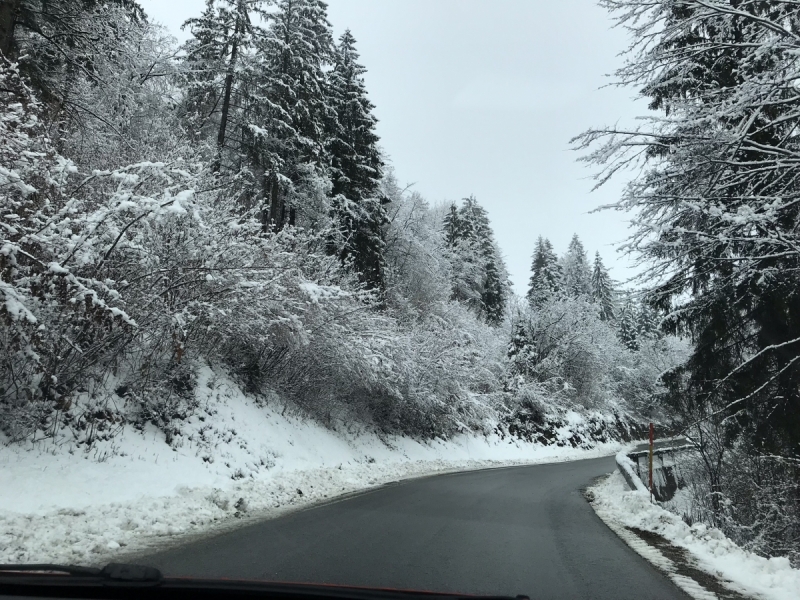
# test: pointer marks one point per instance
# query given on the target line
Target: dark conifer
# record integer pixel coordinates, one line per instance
(546, 278)
(355, 166)
(602, 289)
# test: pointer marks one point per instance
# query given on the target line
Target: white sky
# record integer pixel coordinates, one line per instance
(478, 97)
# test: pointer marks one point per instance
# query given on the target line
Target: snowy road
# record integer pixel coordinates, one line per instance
(519, 530)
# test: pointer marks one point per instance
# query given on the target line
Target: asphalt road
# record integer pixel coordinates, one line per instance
(520, 530)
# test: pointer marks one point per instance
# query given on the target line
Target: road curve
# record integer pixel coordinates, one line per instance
(519, 530)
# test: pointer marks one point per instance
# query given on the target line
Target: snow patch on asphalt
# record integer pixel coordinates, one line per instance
(710, 551)
(235, 460)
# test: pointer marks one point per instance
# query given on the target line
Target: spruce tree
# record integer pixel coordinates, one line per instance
(546, 277)
(493, 296)
(355, 166)
(577, 274)
(493, 287)
(717, 203)
(647, 322)
(480, 279)
(452, 225)
(214, 72)
(355, 162)
(628, 326)
(293, 53)
(602, 289)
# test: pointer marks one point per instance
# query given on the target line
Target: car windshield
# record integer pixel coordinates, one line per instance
(468, 297)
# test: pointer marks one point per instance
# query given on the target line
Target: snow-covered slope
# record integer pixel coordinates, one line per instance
(708, 548)
(234, 460)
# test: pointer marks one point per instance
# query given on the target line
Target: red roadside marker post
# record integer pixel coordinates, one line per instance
(652, 436)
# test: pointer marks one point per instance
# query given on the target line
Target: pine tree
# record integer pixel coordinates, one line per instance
(294, 53)
(628, 326)
(602, 289)
(546, 278)
(452, 225)
(214, 70)
(480, 278)
(355, 166)
(577, 274)
(647, 322)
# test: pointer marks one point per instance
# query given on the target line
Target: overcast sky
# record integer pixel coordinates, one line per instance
(478, 97)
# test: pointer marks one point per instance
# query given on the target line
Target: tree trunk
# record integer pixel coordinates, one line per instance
(275, 208)
(9, 12)
(62, 114)
(226, 100)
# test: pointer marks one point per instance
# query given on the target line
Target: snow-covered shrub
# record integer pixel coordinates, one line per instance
(433, 377)
(418, 273)
(565, 347)
(125, 274)
(755, 500)
(61, 315)
(637, 374)
(562, 353)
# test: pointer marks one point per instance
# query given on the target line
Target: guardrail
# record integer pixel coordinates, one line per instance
(626, 467)
(667, 479)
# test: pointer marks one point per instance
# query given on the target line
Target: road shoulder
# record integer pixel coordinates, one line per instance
(698, 559)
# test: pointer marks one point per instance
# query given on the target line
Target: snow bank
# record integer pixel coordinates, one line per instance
(235, 460)
(711, 551)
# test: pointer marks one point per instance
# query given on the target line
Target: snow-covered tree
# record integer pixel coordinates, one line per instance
(546, 276)
(452, 224)
(417, 269)
(292, 57)
(480, 278)
(216, 70)
(57, 41)
(628, 325)
(647, 322)
(717, 203)
(355, 166)
(602, 289)
(577, 275)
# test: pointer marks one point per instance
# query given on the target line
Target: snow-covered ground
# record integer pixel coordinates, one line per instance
(236, 459)
(709, 549)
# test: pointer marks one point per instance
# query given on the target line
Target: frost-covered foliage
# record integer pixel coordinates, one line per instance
(225, 204)
(546, 277)
(479, 275)
(568, 351)
(568, 343)
(133, 274)
(137, 269)
(119, 279)
(46, 275)
(716, 207)
(753, 499)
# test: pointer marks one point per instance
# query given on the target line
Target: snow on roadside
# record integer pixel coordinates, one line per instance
(712, 552)
(233, 461)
